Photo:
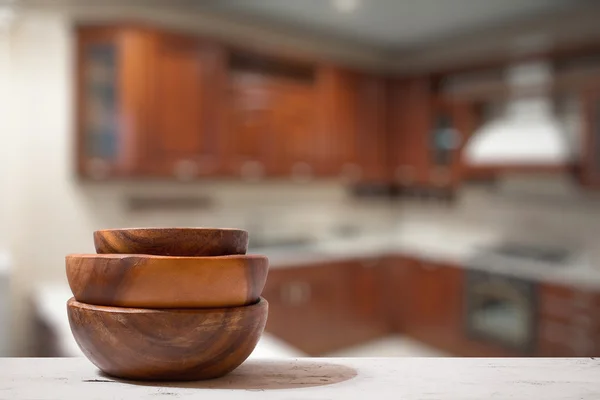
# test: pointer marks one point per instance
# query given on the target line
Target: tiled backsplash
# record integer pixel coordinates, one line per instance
(529, 209)
(268, 210)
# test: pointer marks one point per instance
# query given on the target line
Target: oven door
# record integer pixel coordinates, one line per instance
(501, 310)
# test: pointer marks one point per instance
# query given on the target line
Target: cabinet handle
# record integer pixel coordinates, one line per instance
(185, 170)
(429, 266)
(370, 263)
(296, 293)
(405, 174)
(582, 346)
(301, 172)
(557, 307)
(351, 172)
(582, 299)
(97, 168)
(252, 171)
(440, 177)
(555, 333)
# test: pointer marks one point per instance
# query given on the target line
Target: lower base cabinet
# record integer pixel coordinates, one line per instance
(425, 301)
(323, 308)
(335, 305)
(569, 322)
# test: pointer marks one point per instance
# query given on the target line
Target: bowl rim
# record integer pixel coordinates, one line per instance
(73, 303)
(119, 256)
(167, 229)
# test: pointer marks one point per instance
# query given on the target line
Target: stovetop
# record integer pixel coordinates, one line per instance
(550, 255)
(544, 255)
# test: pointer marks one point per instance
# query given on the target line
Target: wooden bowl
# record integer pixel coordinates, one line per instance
(141, 344)
(184, 242)
(144, 281)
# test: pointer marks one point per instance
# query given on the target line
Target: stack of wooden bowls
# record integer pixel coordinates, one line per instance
(167, 304)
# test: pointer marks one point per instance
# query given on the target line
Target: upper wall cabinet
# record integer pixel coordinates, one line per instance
(427, 135)
(187, 79)
(272, 121)
(410, 117)
(113, 100)
(149, 104)
(156, 104)
(353, 118)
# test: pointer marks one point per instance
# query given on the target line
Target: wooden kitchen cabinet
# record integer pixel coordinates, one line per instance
(149, 104)
(304, 306)
(250, 128)
(158, 104)
(272, 119)
(353, 121)
(424, 300)
(409, 124)
(184, 140)
(371, 141)
(568, 324)
(296, 127)
(325, 307)
(427, 134)
(435, 312)
(113, 98)
(397, 276)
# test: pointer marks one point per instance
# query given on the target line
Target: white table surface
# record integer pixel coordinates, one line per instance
(319, 378)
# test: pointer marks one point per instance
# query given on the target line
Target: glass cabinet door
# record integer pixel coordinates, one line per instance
(100, 99)
(444, 139)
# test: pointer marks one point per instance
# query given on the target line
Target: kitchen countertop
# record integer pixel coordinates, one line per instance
(580, 271)
(319, 378)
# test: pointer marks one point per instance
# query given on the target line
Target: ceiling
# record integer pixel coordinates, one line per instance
(391, 24)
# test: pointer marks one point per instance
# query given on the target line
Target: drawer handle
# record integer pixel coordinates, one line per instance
(252, 171)
(296, 293)
(405, 174)
(98, 169)
(185, 170)
(351, 173)
(301, 172)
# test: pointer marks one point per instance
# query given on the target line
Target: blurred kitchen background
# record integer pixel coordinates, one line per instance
(422, 174)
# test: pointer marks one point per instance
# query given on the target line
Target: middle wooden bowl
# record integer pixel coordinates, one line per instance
(144, 281)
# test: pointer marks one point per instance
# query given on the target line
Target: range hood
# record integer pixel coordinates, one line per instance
(527, 133)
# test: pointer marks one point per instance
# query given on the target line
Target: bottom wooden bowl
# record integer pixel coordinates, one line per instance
(147, 344)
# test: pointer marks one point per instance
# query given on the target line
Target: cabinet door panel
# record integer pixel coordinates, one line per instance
(295, 121)
(185, 132)
(113, 100)
(409, 116)
(370, 144)
(305, 305)
(250, 126)
(436, 313)
(338, 90)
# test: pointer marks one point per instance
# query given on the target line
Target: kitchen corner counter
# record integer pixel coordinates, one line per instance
(580, 272)
(367, 247)
(320, 378)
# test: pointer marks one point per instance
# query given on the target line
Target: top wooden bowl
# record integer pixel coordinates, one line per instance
(182, 242)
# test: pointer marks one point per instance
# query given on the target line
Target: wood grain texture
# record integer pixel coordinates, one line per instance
(146, 281)
(173, 345)
(184, 242)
